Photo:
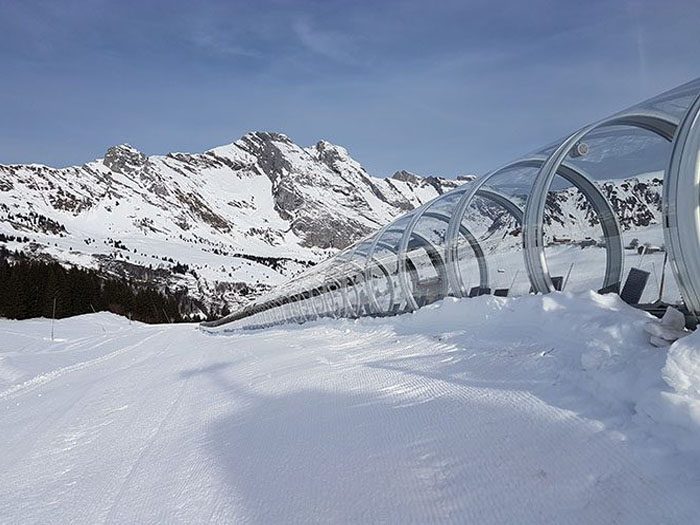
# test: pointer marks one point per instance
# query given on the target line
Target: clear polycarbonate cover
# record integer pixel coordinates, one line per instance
(425, 249)
(587, 212)
(487, 253)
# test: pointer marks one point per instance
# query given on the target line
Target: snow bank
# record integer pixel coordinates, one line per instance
(676, 409)
(597, 342)
(587, 343)
(682, 370)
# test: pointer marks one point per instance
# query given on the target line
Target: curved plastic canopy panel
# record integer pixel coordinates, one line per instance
(421, 253)
(614, 148)
(382, 270)
(484, 238)
(613, 207)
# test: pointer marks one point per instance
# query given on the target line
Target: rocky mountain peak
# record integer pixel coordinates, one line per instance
(124, 159)
(335, 157)
(223, 224)
(262, 139)
(328, 150)
(406, 176)
(274, 152)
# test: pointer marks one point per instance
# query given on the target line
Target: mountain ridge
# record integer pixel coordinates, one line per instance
(226, 224)
(242, 216)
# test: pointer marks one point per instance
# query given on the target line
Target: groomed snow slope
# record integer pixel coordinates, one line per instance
(533, 410)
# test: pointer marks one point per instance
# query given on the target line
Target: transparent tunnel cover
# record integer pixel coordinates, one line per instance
(488, 249)
(383, 286)
(425, 250)
(627, 166)
(585, 212)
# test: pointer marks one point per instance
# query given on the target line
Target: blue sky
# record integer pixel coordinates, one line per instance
(441, 87)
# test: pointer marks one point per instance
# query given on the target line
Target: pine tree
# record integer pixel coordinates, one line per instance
(28, 289)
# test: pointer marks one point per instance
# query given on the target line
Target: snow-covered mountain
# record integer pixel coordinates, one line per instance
(228, 223)
(569, 214)
(225, 224)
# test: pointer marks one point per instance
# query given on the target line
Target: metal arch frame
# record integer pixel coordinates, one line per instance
(436, 259)
(373, 302)
(292, 307)
(338, 312)
(455, 281)
(318, 284)
(376, 240)
(355, 311)
(373, 297)
(309, 302)
(281, 313)
(329, 300)
(361, 281)
(322, 306)
(295, 307)
(259, 319)
(298, 301)
(346, 258)
(269, 311)
(680, 212)
(533, 227)
(681, 207)
(370, 290)
(323, 296)
(401, 254)
(504, 201)
(603, 208)
(406, 235)
(410, 232)
(340, 280)
(455, 226)
(403, 284)
(326, 279)
(280, 310)
(265, 318)
(473, 242)
(284, 311)
(349, 308)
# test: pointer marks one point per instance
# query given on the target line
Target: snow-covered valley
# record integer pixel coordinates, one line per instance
(540, 409)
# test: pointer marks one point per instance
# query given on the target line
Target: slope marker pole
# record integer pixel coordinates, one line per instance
(53, 316)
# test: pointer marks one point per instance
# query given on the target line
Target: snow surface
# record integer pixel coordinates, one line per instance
(540, 409)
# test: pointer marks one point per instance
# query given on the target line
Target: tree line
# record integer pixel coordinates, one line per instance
(28, 289)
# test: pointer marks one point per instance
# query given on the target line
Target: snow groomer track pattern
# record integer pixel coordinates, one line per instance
(556, 219)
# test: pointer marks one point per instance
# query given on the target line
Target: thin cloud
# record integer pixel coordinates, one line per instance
(213, 41)
(336, 46)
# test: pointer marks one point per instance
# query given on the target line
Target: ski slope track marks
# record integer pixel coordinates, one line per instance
(542, 409)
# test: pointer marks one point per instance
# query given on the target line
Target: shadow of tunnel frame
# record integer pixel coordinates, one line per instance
(582, 213)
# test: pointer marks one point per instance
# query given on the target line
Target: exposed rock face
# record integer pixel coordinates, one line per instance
(247, 215)
(124, 159)
(405, 176)
(242, 216)
(311, 185)
(636, 201)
